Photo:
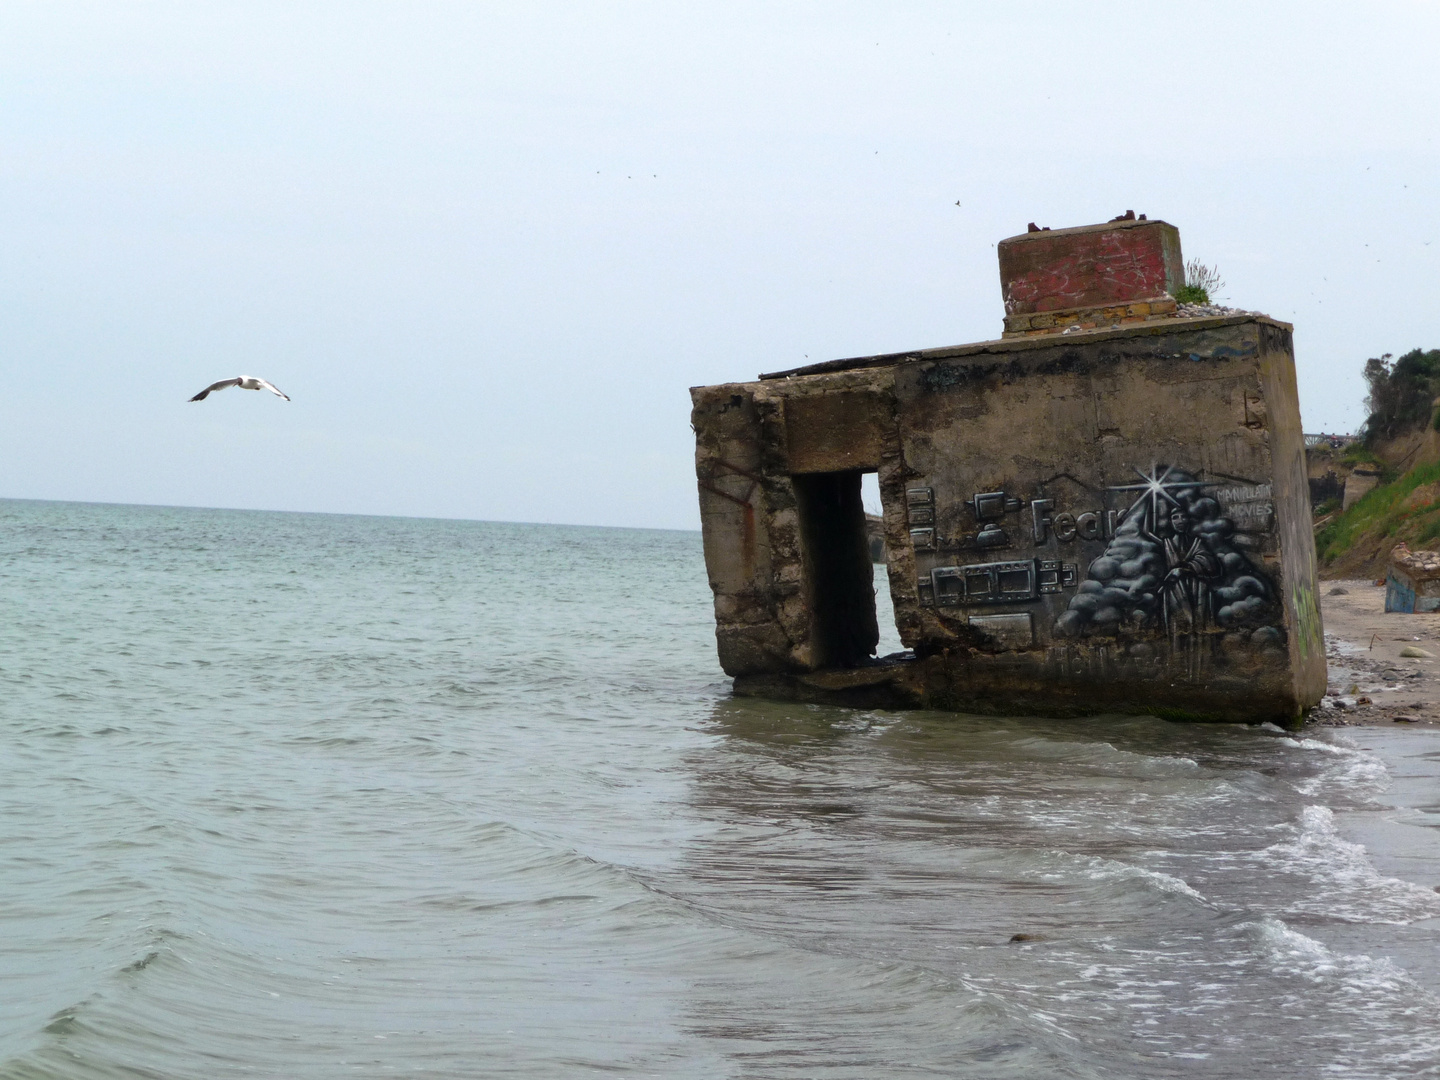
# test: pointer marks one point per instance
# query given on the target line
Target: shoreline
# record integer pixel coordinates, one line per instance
(1390, 705)
(1399, 833)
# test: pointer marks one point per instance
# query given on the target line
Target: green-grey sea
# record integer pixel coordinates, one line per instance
(302, 796)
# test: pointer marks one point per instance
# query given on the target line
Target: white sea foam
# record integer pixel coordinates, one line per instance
(1291, 953)
(1321, 745)
(1351, 774)
(1346, 885)
(1377, 994)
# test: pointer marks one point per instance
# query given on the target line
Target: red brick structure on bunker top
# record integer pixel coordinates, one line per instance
(1093, 266)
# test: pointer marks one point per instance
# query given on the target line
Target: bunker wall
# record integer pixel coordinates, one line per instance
(1109, 521)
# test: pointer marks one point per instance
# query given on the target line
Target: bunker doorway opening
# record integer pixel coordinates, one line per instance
(838, 568)
(880, 564)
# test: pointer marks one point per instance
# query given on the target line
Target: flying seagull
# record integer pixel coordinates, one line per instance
(245, 382)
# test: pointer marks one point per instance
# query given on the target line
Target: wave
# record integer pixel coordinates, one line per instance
(1346, 885)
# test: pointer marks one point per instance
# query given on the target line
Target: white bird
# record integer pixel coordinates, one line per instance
(245, 382)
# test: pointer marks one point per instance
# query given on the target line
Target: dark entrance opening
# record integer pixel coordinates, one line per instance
(839, 577)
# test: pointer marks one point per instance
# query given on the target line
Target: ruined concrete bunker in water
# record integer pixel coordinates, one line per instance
(1104, 510)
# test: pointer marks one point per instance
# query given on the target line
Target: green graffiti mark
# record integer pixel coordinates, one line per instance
(1307, 616)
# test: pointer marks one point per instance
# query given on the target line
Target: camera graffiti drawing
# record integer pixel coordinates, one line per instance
(1173, 567)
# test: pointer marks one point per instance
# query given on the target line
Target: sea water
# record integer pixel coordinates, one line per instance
(291, 795)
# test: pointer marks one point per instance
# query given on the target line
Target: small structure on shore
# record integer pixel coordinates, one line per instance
(1412, 580)
(1104, 510)
(1363, 479)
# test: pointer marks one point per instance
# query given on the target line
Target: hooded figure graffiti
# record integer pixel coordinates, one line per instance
(1172, 566)
(1191, 568)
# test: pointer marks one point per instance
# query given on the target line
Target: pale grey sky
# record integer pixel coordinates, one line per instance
(487, 248)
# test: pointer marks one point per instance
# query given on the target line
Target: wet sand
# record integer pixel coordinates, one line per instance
(1370, 681)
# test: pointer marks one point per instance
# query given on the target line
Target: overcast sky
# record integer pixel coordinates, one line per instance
(487, 248)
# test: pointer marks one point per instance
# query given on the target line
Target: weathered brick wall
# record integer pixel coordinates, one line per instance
(1094, 266)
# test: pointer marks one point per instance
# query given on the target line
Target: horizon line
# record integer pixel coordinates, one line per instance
(345, 513)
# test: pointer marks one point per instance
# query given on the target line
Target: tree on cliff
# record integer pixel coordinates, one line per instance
(1400, 393)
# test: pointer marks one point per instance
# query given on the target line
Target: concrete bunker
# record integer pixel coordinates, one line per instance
(1106, 509)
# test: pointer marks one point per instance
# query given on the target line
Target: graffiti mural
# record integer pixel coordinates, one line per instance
(1311, 637)
(1173, 566)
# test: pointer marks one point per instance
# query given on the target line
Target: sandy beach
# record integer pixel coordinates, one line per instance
(1371, 682)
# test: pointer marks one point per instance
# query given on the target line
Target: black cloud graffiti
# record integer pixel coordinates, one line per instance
(1171, 564)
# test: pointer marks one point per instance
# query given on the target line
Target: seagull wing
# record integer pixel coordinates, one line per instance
(221, 385)
(266, 385)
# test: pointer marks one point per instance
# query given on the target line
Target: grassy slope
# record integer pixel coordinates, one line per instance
(1357, 543)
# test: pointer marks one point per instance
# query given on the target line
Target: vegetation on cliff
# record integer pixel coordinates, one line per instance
(1396, 444)
(1358, 541)
(1401, 394)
